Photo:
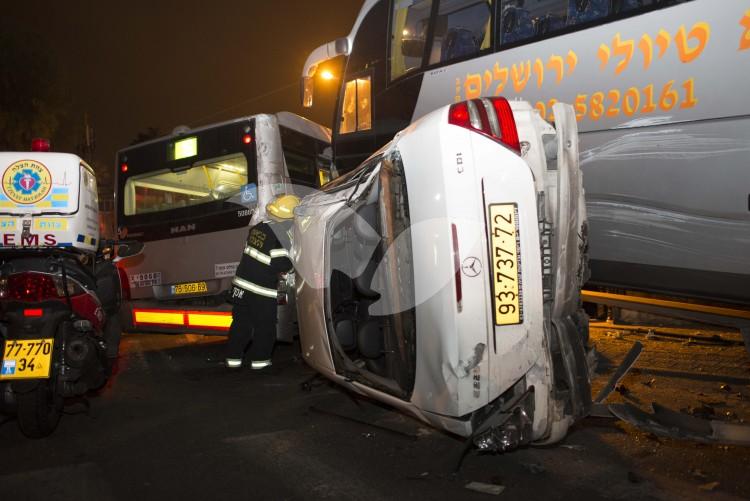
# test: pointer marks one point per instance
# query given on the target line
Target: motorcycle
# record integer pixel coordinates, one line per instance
(60, 330)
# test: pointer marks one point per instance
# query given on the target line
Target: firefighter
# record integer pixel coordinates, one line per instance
(254, 291)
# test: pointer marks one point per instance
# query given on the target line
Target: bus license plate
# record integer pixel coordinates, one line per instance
(26, 359)
(190, 288)
(506, 259)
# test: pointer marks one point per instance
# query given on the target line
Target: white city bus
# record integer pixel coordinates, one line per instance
(660, 92)
(190, 197)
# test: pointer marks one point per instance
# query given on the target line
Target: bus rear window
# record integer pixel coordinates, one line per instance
(203, 182)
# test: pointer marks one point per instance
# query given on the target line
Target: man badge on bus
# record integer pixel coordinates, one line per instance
(255, 286)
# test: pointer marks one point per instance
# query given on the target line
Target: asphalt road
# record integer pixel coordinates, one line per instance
(173, 424)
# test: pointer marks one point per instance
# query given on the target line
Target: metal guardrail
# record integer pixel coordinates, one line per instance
(734, 318)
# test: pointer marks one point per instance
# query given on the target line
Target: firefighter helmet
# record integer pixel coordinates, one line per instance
(283, 206)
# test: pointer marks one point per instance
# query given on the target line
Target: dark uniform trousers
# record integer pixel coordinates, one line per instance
(253, 322)
(254, 291)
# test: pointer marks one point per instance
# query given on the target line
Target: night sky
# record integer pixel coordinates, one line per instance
(148, 63)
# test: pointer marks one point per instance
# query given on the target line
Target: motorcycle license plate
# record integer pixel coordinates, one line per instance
(506, 257)
(190, 288)
(26, 359)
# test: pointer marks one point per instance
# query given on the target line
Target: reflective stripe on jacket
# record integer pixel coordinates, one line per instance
(263, 258)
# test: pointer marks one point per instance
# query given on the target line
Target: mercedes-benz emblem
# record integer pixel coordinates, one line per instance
(471, 267)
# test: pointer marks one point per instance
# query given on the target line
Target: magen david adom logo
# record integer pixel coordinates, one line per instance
(27, 182)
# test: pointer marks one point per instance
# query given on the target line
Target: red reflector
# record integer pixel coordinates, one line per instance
(33, 312)
(247, 139)
(457, 268)
(459, 115)
(124, 167)
(40, 144)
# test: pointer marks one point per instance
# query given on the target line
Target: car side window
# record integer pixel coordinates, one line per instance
(409, 26)
(356, 107)
(462, 29)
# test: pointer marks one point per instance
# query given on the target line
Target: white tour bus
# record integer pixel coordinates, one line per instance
(190, 198)
(660, 93)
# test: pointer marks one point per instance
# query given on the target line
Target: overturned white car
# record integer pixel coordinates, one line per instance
(443, 275)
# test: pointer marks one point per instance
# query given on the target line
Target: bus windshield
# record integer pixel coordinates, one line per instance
(203, 182)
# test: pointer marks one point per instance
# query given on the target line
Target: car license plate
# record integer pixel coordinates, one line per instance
(26, 359)
(505, 248)
(190, 288)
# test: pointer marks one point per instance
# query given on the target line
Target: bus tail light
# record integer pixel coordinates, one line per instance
(182, 319)
(490, 116)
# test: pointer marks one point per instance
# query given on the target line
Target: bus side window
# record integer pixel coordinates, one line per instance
(584, 11)
(525, 19)
(411, 18)
(462, 29)
(356, 107)
(624, 6)
(516, 23)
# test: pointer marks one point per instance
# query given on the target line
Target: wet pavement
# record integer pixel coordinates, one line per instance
(173, 423)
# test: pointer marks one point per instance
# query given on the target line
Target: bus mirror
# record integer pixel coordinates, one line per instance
(412, 47)
(129, 249)
(307, 88)
(342, 46)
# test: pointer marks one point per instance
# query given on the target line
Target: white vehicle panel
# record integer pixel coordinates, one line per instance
(47, 200)
(468, 364)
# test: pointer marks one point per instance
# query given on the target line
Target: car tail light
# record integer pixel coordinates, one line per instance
(33, 312)
(457, 268)
(489, 116)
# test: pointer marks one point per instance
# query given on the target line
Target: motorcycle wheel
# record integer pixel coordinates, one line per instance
(39, 411)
